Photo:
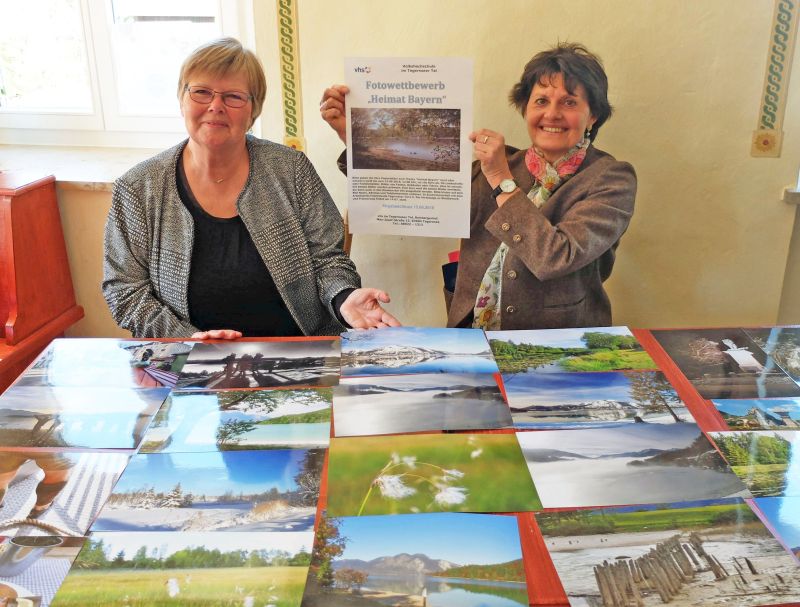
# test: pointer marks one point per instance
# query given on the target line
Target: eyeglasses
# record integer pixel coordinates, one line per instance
(203, 94)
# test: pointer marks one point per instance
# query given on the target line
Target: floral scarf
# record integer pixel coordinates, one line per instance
(547, 178)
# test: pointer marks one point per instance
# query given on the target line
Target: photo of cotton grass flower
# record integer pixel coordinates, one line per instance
(428, 473)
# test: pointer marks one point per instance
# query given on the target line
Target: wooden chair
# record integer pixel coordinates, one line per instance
(37, 301)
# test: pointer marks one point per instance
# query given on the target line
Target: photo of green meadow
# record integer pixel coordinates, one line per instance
(188, 570)
(428, 473)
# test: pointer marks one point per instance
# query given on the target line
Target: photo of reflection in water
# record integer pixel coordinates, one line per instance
(406, 139)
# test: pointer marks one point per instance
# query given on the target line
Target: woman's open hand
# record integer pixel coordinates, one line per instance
(333, 110)
(362, 310)
(217, 334)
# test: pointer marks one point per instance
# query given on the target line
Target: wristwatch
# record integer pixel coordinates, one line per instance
(506, 186)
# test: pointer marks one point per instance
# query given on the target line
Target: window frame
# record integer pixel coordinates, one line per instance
(105, 126)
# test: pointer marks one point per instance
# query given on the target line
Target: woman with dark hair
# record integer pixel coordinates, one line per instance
(545, 221)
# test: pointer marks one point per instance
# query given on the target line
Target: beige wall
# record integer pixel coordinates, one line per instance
(710, 239)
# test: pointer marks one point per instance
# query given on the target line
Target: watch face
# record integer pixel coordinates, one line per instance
(508, 185)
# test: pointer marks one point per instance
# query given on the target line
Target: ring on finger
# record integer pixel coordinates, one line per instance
(485, 138)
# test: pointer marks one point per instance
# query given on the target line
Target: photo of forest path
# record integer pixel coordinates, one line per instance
(188, 569)
(464, 560)
(709, 554)
(767, 462)
(406, 139)
(568, 350)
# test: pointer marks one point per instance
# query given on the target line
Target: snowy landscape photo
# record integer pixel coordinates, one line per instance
(218, 491)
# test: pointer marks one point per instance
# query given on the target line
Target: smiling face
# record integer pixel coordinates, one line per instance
(215, 125)
(556, 118)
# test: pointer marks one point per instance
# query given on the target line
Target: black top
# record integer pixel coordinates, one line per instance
(230, 287)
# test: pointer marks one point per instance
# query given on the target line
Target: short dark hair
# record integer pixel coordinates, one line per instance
(577, 66)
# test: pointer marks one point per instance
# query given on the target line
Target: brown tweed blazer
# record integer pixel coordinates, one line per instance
(559, 255)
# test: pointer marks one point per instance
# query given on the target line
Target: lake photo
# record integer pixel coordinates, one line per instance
(217, 491)
(261, 364)
(406, 139)
(399, 350)
(718, 554)
(190, 568)
(391, 404)
(568, 350)
(231, 420)
(582, 400)
(632, 464)
(783, 517)
(441, 560)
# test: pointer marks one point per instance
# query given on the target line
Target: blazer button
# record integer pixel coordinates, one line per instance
(516, 238)
(510, 309)
(505, 227)
(512, 274)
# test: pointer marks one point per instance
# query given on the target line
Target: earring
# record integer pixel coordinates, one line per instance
(588, 133)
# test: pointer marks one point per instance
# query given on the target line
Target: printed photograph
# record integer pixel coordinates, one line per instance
(163, 569)
(399, 350)
(568, 350)
(217, 491)
(712, 553)
(262, 364)
(62, 490)
(760, 413)
(782, 344)
(783, 517)
(33, 566)
(582, 400)
(725, 363)
(632, 464)
(233, 420)
(767, 462)
(406, 139)
(428, 473)
(94, 418)
(391, 404)
(469, 560)
(115, 363)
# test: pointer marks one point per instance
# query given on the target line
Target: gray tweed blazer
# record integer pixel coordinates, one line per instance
(292, 219)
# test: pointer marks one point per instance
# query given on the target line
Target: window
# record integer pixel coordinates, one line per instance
(101, 71)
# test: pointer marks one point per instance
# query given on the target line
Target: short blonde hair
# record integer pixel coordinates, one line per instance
(223, 57)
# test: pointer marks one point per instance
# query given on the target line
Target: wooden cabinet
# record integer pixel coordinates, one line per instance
(37, 301)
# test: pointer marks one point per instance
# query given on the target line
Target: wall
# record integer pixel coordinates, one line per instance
(710, 239)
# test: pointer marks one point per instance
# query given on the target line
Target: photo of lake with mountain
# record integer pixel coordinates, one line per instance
(401, 474)
(582, 400)
(568, 350)
(261, 364)
(398, 350)
(464, 560)
(100, 362)
(631, 464)
(709, 553)
(783, 516)
(767, 462)
(760, 413)
(231, 420)
(725, 363)
(391, 404)
(218, 491)
(166, 569)
(68, 416)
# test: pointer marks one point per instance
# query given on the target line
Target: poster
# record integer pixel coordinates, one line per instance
(409, 158)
